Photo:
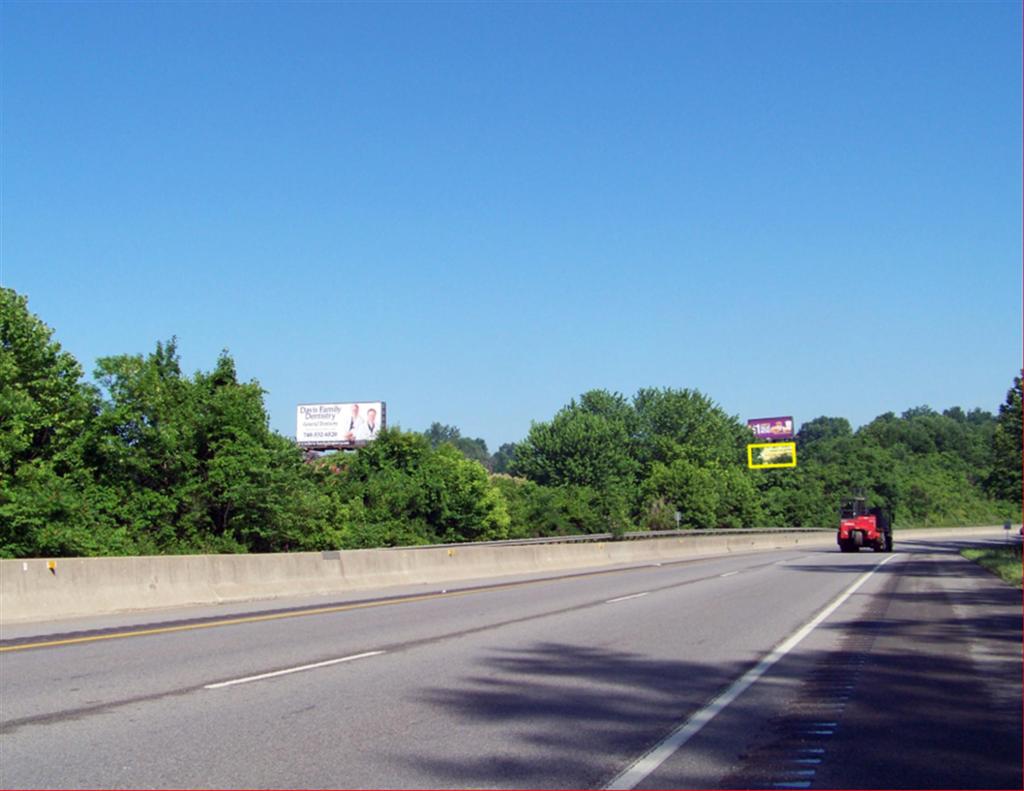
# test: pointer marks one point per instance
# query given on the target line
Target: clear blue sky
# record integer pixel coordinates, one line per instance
(477, 211)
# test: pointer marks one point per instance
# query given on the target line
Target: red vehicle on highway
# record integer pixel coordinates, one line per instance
(860, 526)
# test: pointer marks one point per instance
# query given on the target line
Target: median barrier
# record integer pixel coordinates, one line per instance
(47, 589)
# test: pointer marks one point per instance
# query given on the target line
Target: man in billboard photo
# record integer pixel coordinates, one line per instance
(372, 427)
(356, 428)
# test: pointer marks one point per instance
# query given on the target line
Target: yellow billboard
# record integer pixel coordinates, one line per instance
(765, 455)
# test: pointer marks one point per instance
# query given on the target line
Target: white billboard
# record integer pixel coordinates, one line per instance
(348, 425)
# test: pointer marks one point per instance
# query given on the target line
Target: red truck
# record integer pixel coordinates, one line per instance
(860, 526)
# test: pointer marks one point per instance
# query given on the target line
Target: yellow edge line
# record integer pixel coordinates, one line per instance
(248, 619)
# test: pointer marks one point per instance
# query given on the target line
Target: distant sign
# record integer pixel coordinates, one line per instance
(765, 455)
(772, 427)
(339, 426)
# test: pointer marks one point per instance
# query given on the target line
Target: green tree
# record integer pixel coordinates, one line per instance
(685, 424)
(576, 448)
(140, 446)
(582, 447)
(43, 409)
(536, 511)
(820, 429)
(503, 458)
(705, 495)
(613, 407)
(399, 490)
(1005, 479)
(693, 456)
(439, 433)
(472, 448)
(43, 403)
(689, 488)
(250, 489)
(193, 463)
(460, 503)
(795, 497)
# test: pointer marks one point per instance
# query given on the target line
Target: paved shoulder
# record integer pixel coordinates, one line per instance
(916, 684)
(939, 704)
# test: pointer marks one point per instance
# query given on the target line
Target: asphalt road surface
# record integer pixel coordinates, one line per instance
(790, 669)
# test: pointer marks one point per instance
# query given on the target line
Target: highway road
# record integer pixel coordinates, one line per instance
(788, 669)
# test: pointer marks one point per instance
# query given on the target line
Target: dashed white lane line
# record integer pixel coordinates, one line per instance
(287, 671)
(642, 768)
(729, 574)
(627, 598)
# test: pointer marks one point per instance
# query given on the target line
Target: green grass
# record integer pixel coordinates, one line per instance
(1004, 562)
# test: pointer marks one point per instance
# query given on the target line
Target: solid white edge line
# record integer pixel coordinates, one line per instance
(640, 769)
(626, 598)
(314, 666)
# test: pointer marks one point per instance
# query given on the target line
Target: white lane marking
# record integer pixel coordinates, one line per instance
(729, 574)
(298, 669)
(626, 598)
(640, 769)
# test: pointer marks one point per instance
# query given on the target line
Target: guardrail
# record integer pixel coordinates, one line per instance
(637, 535)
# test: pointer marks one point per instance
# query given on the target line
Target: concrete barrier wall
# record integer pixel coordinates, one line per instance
(44, 589)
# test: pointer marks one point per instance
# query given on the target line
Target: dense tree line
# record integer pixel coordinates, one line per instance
(146, 459)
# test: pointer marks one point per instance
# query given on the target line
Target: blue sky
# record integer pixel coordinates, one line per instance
(477, 211)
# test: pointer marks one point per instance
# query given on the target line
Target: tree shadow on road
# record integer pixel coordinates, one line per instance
(920, 714)
(581, 703)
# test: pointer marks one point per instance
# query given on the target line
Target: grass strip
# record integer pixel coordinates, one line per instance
(1004, 562)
